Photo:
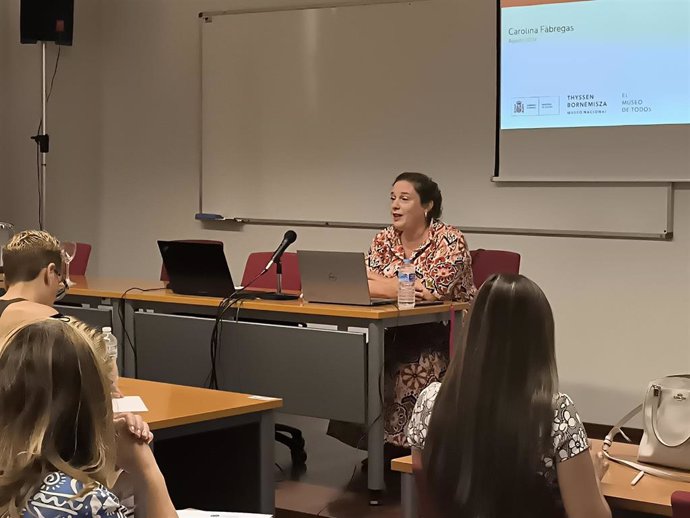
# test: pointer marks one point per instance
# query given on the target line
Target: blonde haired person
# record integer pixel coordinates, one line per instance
(32, 263)
(60, 444)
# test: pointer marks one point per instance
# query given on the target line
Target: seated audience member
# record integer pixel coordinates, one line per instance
(502, 441)
(32, 262)
(59, 443)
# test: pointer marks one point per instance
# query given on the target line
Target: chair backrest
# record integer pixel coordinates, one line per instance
(81, 259)
(680, 504)
(484, 264)
(487, 262)
(164, 272)
(258, 260)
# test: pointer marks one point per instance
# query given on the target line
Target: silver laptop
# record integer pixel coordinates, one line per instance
(336, 278)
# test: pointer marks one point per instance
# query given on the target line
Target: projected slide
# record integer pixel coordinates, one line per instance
(587, 63)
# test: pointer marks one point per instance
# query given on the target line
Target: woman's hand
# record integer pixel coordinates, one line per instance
(136, 426)
(421, 293)
(382, 287)
(133, 454)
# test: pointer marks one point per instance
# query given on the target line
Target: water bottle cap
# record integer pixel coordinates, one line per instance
(107, 330)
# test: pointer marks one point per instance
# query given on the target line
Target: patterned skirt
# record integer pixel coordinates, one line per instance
(415, 356)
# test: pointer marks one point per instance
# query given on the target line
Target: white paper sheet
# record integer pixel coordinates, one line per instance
(129, 404)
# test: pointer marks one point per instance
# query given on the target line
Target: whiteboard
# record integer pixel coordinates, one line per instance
(310, 114)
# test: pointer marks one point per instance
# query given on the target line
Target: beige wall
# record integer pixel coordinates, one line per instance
(73, 122)
(123, 173)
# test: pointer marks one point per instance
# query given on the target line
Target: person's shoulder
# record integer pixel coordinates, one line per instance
(562, 401)
(387, 235)
(450, 235)
(445, 230)
(27, 309)
(429, 394)
(387, 232)
(566, 416)
(23, 313)
(60, 493)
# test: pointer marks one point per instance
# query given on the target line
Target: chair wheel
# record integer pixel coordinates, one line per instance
(375, 497)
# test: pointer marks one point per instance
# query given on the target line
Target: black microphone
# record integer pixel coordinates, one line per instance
(289, 238)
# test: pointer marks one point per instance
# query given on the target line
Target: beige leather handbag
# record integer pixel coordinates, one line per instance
(666, 422)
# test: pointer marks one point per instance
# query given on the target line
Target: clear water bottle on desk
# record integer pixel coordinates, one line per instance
(406, 280)
(111, 348)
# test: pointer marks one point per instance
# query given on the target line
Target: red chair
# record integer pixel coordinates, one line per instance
(80, 261)
(485, 263)
(256, 263)
(164, 272)
(680, 504)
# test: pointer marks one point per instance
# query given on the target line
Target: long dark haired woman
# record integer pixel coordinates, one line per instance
(502, 441)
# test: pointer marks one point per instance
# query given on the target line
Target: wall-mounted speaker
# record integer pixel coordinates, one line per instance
(46, 20)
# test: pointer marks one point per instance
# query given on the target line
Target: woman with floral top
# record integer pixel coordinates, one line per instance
(502, 441)
(415, 355)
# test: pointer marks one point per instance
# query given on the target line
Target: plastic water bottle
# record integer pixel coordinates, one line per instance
(406, 279)
(110, 342)
(111, 348)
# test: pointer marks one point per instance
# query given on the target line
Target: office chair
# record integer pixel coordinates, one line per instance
(484, 264)
(81, 259)
(680, 504)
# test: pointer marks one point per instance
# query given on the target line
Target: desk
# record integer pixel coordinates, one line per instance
(650, 495)
(180, 412)
(331, 374)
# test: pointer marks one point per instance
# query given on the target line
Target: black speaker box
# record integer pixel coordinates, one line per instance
(46, 20)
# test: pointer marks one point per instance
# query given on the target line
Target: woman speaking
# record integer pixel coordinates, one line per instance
(416, 355)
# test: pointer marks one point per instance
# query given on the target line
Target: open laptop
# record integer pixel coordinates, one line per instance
(336, 278)
(197, 268)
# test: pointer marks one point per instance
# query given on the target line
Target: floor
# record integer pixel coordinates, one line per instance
(334, 485)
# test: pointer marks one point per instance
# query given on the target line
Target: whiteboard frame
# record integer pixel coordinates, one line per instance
(666, 235)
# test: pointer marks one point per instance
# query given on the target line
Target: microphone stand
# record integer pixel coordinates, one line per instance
(43, 141)
(278, 294)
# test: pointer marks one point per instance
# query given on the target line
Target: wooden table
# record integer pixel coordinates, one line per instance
(650, 495)
(178, 413)
(319, 373)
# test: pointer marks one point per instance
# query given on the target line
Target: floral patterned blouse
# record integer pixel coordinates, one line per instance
(57, 498)
(442, 262)
(568, 432)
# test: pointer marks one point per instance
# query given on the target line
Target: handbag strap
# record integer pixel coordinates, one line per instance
(657, 472)
(656, 394)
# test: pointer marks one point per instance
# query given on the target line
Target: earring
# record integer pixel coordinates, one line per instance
(426, 214)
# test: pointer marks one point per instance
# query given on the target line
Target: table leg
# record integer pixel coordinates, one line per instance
(408, 496)
(375, 406)
(456, 339)
(128, 359)
(267, 462)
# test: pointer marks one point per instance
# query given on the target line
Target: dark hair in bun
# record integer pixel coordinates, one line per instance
(428, 191)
